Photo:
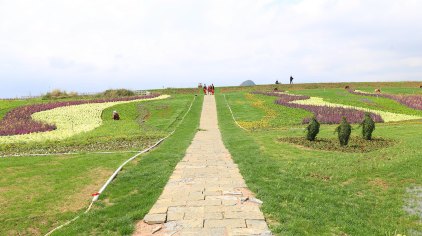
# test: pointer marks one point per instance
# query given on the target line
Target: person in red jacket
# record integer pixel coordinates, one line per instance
(205, 89)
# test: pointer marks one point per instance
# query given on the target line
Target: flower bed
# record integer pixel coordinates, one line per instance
(331, 113)
(356, 144)
(69, 120)
(412, 101)
(19, 120)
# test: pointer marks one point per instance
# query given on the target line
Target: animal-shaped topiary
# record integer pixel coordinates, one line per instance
(344, 130)
(368, 126)
(312, 129)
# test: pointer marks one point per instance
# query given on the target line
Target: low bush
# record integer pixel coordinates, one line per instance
(368, 126)
(58, 94)
(356, 144)
(344, 130)
(312, 129)
(118, 93)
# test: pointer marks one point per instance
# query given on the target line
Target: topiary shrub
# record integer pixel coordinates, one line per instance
(312, 129)
(344, 130)
(368, 126)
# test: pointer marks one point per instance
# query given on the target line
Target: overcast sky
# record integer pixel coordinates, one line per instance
(92, 45)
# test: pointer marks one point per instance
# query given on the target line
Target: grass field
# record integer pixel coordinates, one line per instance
(314, 192)
(307, 190)
(39, 193)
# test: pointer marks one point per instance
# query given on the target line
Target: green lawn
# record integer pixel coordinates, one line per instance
(39, 193)
(311, 192)
(305, 191)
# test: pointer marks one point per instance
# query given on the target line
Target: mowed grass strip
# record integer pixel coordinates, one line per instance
(138, 186)
(312, 192)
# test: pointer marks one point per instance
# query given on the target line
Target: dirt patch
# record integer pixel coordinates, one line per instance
(322, 177)
(144, 229)
(356, 144)
(380, 183)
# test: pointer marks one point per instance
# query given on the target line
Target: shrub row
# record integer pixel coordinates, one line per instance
(343, 130)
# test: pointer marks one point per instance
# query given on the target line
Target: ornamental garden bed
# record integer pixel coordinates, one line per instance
(356, 144)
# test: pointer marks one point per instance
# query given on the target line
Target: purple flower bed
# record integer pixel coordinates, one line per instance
(324, 114)
(412, 101)
(19, 120)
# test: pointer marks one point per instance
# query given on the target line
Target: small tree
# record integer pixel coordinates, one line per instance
(368, 126)
(312, 129)
(344, 130)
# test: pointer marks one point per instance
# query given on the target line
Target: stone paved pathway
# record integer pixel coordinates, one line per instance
(206, 195)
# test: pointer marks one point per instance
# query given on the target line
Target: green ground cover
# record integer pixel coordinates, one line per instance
(315, 192)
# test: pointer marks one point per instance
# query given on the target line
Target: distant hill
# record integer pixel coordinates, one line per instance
(247, 83)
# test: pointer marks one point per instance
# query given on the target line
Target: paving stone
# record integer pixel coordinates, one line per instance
(231, 223)
(212, 193)
(207, 202)
(252, 215)
(229, 202)
(257, 224)
(213, 215)
(247, 231)
(155, 218)
(174, 215)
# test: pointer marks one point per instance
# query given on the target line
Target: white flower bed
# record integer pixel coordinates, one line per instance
(69, 120)
(386, 116)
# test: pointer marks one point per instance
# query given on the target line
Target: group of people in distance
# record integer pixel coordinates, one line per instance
(209, 90)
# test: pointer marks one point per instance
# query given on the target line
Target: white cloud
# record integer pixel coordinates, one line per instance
(154, 43)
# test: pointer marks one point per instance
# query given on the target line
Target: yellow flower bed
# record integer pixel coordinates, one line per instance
(270, 114)
(69, 120)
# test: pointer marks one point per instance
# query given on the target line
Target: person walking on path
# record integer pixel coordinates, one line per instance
(205, 89)
(209, 89)
(291, 79)
(212, 89)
